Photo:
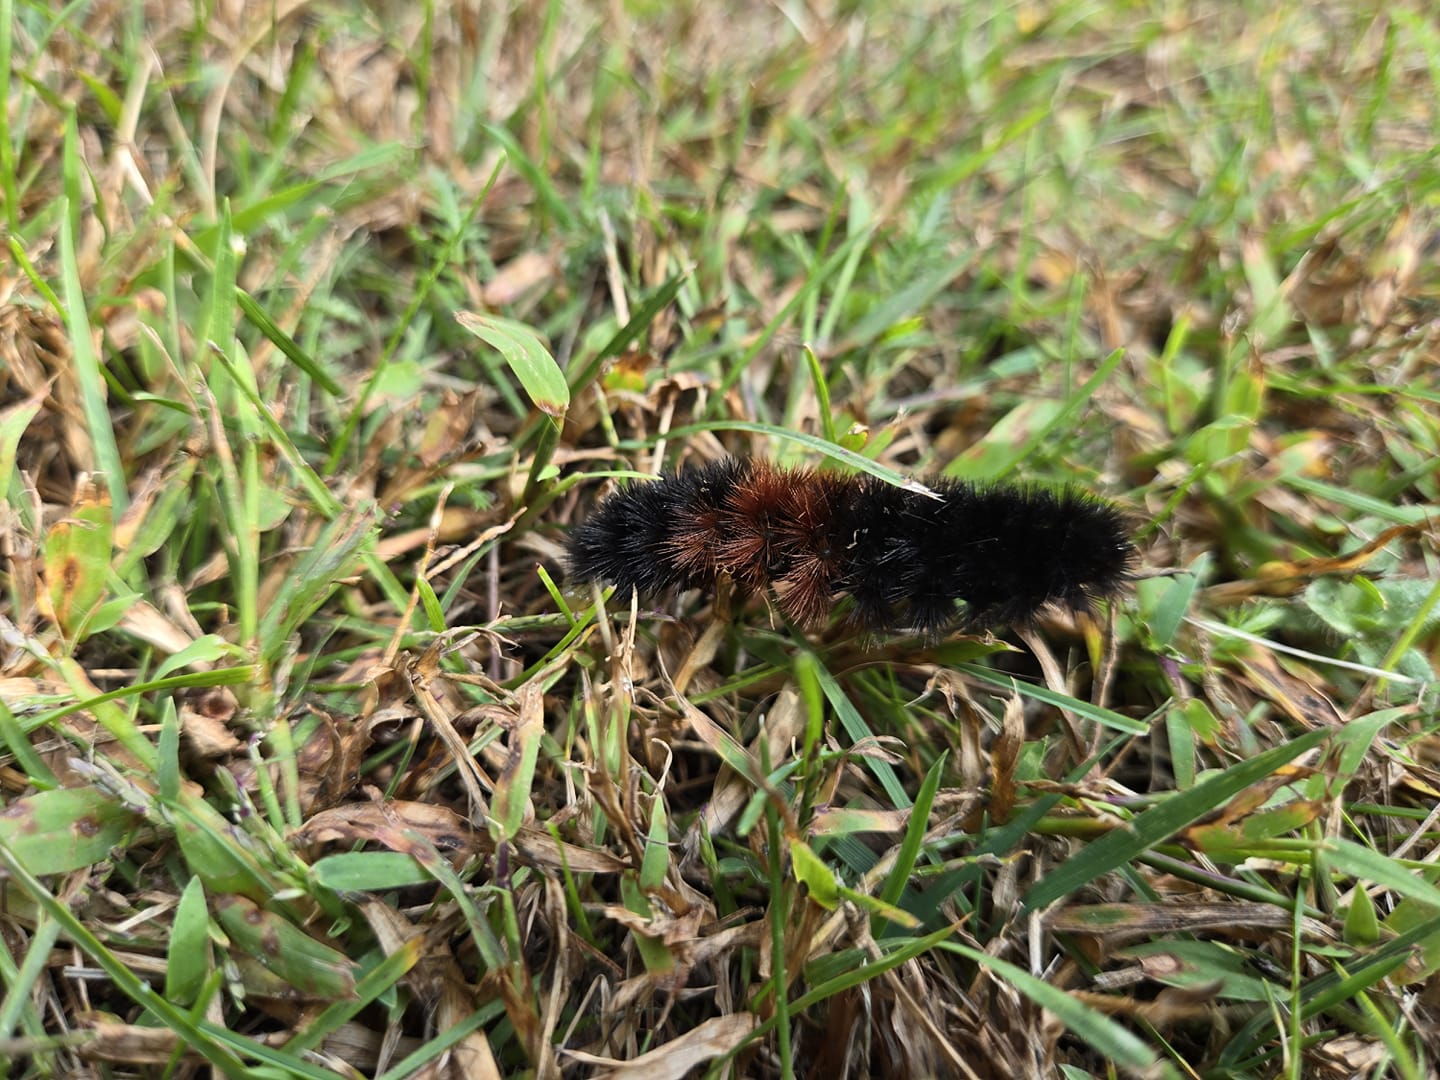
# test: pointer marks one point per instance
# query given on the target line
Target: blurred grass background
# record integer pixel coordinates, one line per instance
(320, 324)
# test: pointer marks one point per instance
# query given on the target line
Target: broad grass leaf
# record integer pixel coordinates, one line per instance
(311, 967)
(368, 871)
(526, 356)
(77, 559)
(64, 830)
(187, 955)
(817, 877)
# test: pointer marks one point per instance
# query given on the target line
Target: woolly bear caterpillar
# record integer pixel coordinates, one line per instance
(906, 561)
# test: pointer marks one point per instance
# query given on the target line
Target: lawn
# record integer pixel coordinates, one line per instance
(324, 326)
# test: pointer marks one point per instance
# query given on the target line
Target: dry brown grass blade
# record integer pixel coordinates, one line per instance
(676, 1058)
(421, 673)
(39, 363)
(1293, 688)
(1122, 921)
(473, 1058)
(393, 824)
(1288, 578)
(132, 1044)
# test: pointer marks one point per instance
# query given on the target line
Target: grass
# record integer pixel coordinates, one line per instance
(322, 325)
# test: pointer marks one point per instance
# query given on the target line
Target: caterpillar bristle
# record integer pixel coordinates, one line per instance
(979, 557)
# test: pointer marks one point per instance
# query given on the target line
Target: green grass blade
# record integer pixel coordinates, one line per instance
(1105, 1036)
(89, 377)
(1127, 842)
(526, 356)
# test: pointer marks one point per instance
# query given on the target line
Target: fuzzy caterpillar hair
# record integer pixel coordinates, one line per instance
(904, 559)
